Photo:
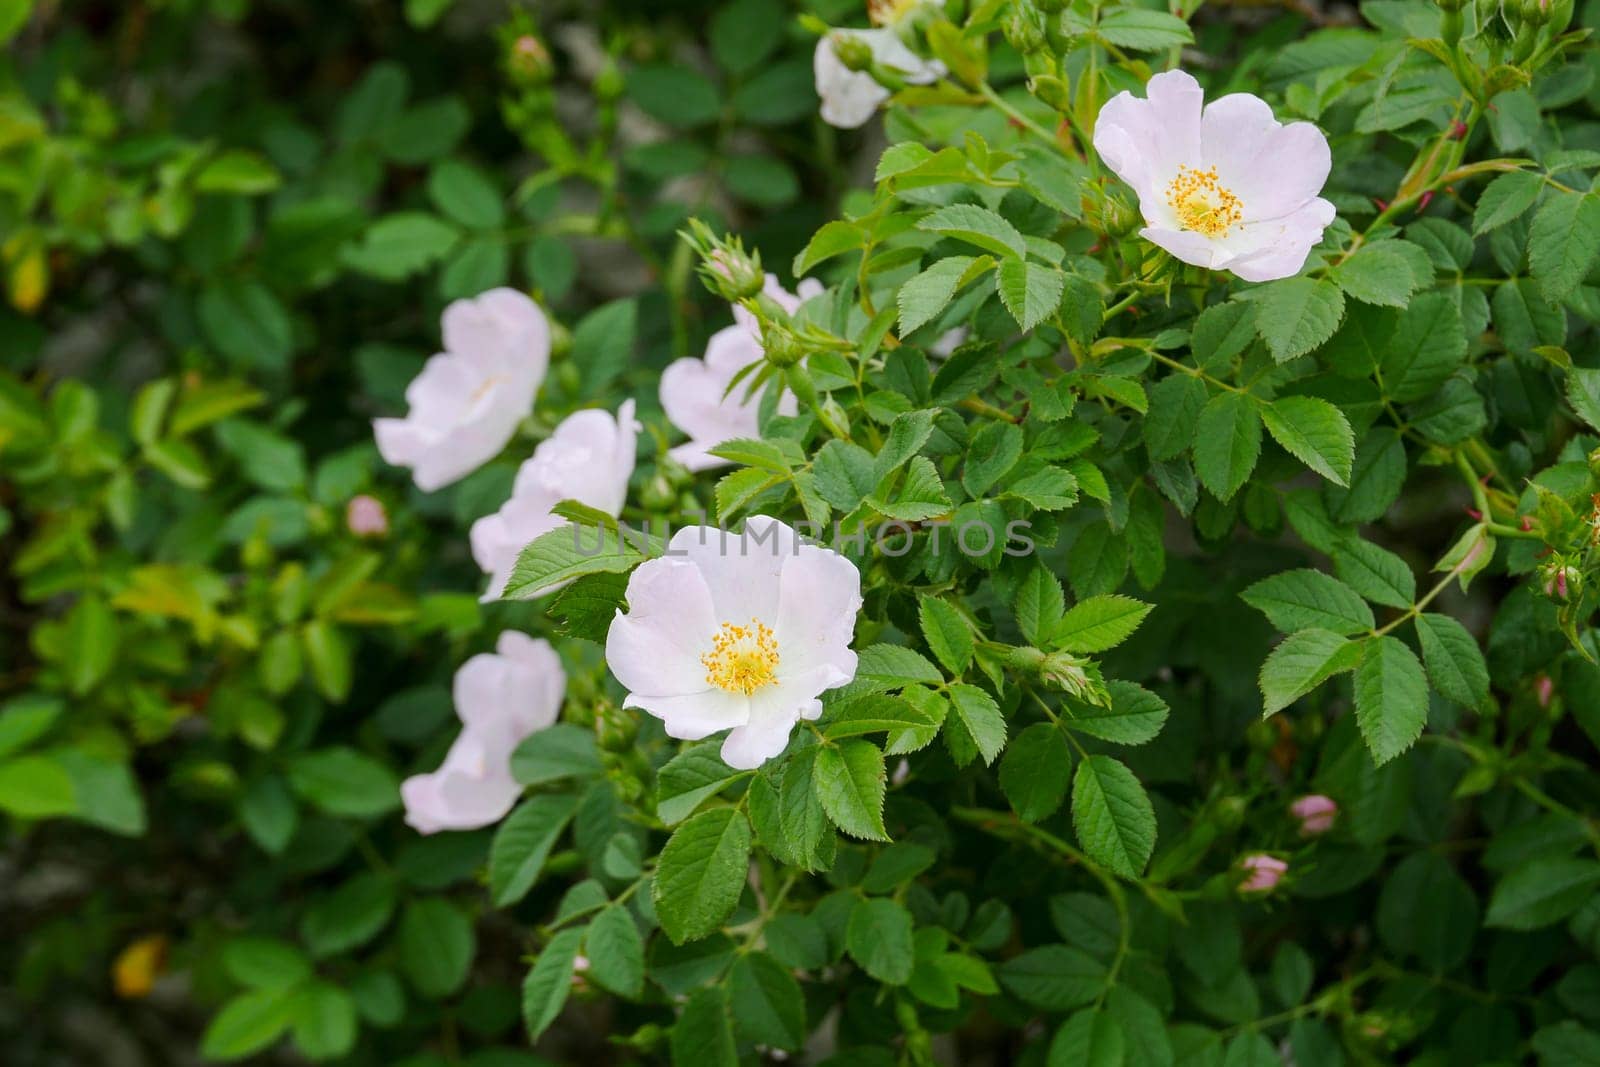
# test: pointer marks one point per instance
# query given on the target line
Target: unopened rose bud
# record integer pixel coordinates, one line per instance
(529, 61)
(854, 53)
(1535, 12)
(1260, 873)
(1561, 581)
(365, 516)
(1075, 676)
(733, 274)
(1119, 218)
(784, 347)
(1451, 6)
(1051, 90)
(1316, 814)
(1024, 28)
(1544, 688)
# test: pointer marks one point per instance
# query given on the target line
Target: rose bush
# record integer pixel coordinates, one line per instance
(1097, 566)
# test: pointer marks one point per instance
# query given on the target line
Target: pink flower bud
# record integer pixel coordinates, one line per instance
(1544, 688)
(1316, 814)
(1261, 872)
(365, 516)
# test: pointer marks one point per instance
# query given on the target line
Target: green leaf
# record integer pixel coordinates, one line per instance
(1563, 243)
(978, 718)
(1030, 291)
(1378, 273)
(1391, 698)
(703, 1035)
(571, 551)
(1143, 30)
(1227, 443)
(36, 787)
(1427, 346)
(265, 963)
(701, 873)
(437, 945)
(1222, 331)
(1583, 393)
(615, 952)
(995, 449)
(350, 916)
(1054, 978)
(1505, 199)
(563, 750)
(1039, 605)
(928, 293)
(466, 195)
(850, 782)
(947, 632)
(324, 1021)
(1303, 661)
(907, 434)
(1307, 599)
(677, 95)
(688, 778)
(549, 980)
(1099, 623)
(523, 842)
(1175, 405)
(1035, 772)
(342, 781)
(1112, 816)
(239, 173)
(1295, 315)
(1091, 1038)
(977, 226)
(1541, 892)
(768, 1007)
(1453, 659)
(879, 938)
(605, 336)
(1135, 715)
(398, 246)
(1314, 432)
(248, 1023)
(1376, 573)
(875, 713)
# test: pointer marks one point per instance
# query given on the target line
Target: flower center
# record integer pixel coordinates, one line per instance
(1203, 205)
(742, 658)
(889, 12)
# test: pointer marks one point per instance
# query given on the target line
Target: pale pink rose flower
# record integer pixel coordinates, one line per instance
(501, 698)
(468, 400)
(1223, 185)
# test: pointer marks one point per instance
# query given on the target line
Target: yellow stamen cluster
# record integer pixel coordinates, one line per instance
(742, 658)
(890, 12)
(1202, 204)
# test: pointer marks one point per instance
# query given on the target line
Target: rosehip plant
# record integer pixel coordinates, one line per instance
(1114, 584)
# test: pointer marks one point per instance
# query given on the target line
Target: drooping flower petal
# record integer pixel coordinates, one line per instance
(589, 458)
(696, 393)
(851, 97)
(739, 632)
(468, 400)
(1223, 186)
(501, 698)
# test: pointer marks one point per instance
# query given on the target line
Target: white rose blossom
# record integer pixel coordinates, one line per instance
(589, 458)
(500, 698)
(738, 632)
(851, 97)
(695, 392)
(468, 400)
(1226, 186)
